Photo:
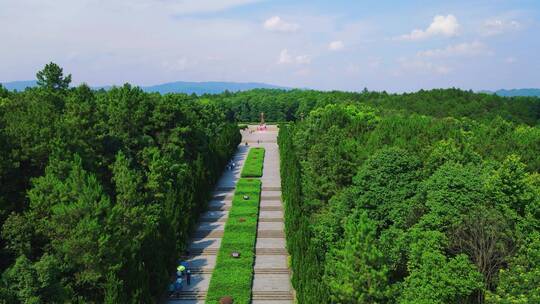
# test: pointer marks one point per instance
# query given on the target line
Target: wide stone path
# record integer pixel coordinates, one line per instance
(271, 283)
(206, 239)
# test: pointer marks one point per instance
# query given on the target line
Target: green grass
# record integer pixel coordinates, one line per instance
(253, 166)
(233, 276)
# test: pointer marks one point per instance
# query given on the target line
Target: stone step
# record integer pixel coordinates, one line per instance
(212, 216)
(272, 295)
(271, 220)
(271, 208)
(270, 234)
(201, 270)
(271, 188)
(223, 189)
(213, 219)
(271, 270)
(271, 251)
(208, 234)
(223, 196)
(216, 207)
(260, 141)
(271, 197)
(188, 295)
(202, 251)
(219, 202)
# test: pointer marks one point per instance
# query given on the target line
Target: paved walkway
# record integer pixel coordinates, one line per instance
(206, 240)
(271, 283)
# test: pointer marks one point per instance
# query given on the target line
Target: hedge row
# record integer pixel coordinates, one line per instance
(304, 263)
(253, 167)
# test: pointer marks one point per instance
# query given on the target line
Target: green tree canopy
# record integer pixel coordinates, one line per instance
(52, 77)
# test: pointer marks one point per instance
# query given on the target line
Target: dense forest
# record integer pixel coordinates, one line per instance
(281, 105)
(397, 207)
(99, 189)
(426, 197)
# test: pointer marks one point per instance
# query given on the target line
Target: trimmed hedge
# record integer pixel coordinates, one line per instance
(253, 167)
(307, 269)
(233, 276)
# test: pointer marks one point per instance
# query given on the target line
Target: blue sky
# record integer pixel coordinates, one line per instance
(345, 45)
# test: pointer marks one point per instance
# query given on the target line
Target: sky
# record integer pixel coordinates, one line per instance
(396, 46)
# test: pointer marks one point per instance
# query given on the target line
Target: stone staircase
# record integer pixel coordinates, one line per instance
(272, 295)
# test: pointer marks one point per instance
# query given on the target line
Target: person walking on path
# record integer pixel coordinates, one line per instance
(188, 277)
(178, 284)
(172, 289)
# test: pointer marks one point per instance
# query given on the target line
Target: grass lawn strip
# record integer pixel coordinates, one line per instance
(253, 167)
(233, 276)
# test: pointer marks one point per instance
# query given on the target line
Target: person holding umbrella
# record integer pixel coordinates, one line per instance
(180, 270)
(185, 264)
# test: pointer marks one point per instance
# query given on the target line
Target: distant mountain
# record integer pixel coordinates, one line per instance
(516, 92)
(199, 88)
(19, 85)
(211, 87)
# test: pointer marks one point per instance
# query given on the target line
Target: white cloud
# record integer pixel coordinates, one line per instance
(276, 24)
(178, 65)
(303, 72)
(182, 7)
(188, 6)
(419, 65)
(302, 59)
(336, 45)
(441, 26)
(493, 27)
(128, 44)
(463, 49)
(286, 58)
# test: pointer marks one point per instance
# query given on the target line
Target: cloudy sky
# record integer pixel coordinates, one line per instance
(346, 45)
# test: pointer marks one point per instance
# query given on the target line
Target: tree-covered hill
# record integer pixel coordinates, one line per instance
(198, 88)
(516, 92)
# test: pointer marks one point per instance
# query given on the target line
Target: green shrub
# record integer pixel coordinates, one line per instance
(253, 167)
(233, 276)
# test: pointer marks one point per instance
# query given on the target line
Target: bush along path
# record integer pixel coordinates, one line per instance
(254, 163)
(233, 273)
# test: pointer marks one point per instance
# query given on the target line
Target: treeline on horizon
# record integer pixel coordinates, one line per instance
(396, 207)
(100, 189)
(292, 105)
